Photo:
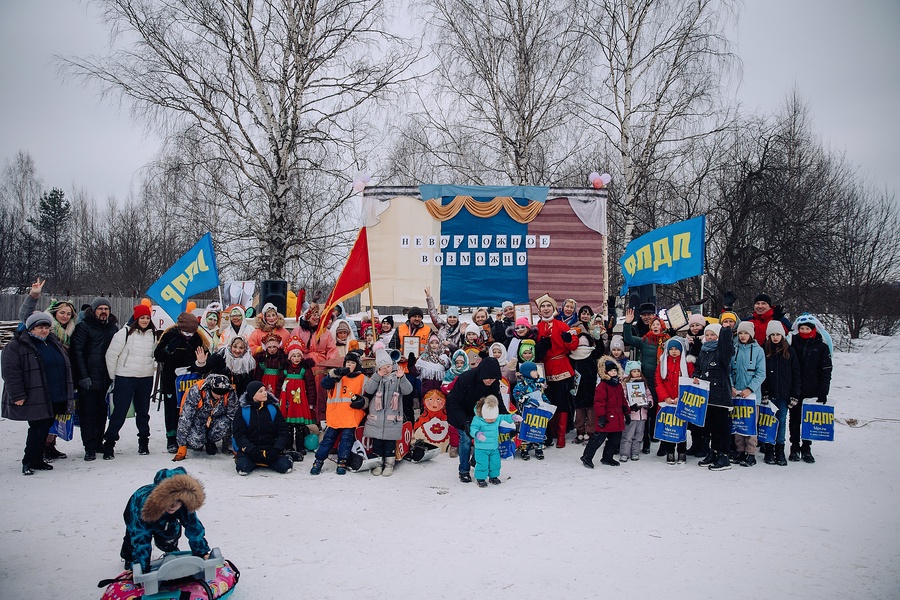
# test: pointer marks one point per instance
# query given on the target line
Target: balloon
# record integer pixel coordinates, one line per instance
(191, 306)
(598, 183)
(593, 176)
(359, 186)
(365, 178)
(147, 302)
(311, 442)
(606, 178)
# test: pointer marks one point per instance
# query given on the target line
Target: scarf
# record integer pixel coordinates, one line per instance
(453, 372)
(710, 346)
(807, 336)
(239, 366)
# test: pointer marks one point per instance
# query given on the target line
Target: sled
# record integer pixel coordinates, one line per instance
(177, 575)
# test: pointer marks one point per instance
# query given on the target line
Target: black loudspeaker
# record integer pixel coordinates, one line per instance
(274, 291)
(641, 294)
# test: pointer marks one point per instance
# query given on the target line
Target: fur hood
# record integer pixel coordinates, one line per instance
(261, 323)
(171, 485)
(601, 367)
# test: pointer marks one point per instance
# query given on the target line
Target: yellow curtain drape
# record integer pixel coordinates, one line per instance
(522, 214)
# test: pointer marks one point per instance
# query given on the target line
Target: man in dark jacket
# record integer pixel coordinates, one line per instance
(469, 388)
(87, 352)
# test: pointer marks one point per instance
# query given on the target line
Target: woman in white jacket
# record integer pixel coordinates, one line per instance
(130, 363)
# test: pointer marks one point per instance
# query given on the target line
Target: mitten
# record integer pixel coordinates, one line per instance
(566, 337)
(822, 399)
(85, 383)
(480, 436)
(793, 402)
(634, 407)
(764, 401)
(256, 455)
(602, 421)
(627, 419)
(341, 371)
(182, 452)
(729, 299)
(357, 401)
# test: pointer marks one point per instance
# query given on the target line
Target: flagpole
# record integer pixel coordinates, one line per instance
(372, 309)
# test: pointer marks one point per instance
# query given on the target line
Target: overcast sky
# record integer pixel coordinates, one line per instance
(842, 55)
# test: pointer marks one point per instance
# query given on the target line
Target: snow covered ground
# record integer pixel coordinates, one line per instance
(552, 530)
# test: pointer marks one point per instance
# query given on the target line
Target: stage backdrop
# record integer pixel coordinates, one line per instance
(479, 246)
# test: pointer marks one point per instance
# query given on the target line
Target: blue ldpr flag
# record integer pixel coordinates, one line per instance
(195, 272)
(668, 427)
(818, 423)
(665, 255)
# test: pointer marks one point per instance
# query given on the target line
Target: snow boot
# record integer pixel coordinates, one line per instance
(795, 454)
(341, 468)
(51, 453)
(670, 458)
(453, 452)
(378, 468)
(27, 470)
(41, 466)
(738, 457)
(722, 463)
(482, 483)
(465, 477)
(780, 460)
(587, 462)
(623, 458)
(682, 458)
(495, 480)
(525, 455)
(89, 454)
(806, 454)
(108, 450)
(561, 435)
(770, 454)
(660, 451)
(171, 444)
(317, 467)
(609, 461)
(709, 460)
(226, 445)
(388, 466)
(211, 448)
(749, 460)
(143, 445)
(539, 453)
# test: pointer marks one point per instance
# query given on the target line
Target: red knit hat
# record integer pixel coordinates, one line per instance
(142, 311)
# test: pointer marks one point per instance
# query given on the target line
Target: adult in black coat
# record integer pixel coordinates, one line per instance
(87, 351)
(814, 357)
(177, 349)
(37, 385)
(260, 439)
(470, 387)
(500, 328)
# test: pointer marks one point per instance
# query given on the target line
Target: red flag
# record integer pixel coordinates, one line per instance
(353, 278)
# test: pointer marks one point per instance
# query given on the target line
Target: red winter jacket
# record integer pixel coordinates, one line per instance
(668, 387)
(609, 402)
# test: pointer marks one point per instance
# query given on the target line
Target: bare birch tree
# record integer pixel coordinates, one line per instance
(505, 89)
(658, 78)
(257, 82)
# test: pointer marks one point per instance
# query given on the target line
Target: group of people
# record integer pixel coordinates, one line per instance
(259, 391)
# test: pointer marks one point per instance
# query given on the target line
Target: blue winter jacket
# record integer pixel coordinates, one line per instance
(491, 431)
(748, 368)
(141, 532)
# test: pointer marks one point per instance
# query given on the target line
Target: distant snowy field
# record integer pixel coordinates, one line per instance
(553, 530)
